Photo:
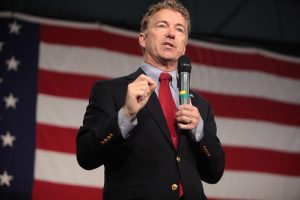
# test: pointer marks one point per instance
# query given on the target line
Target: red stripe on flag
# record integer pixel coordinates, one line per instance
(63, 84)
(202, 55)
(90, 38)
(253, 108)
(237, 158)
(56, 138)
(54, 191)
(262, 160)
(243, 61)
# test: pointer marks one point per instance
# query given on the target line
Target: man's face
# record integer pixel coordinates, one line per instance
(166, 37)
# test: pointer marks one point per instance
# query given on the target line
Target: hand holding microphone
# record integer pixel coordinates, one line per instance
(187, 115)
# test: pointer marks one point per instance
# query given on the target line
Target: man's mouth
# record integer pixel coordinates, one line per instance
(168, 44)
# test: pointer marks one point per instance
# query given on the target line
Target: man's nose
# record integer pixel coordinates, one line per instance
(171, 33)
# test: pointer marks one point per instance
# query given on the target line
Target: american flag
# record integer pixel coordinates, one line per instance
(47, 68)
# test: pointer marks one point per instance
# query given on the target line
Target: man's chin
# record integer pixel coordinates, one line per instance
(169, 58)
(171, 62)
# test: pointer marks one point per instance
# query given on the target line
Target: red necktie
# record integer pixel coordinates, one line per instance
(168, 105)
(169, 108)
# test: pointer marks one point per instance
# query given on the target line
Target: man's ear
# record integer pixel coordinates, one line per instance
(142, 40)
(185, 47)
(184, 50)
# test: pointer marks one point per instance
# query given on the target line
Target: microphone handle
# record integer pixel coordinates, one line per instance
(184, 93)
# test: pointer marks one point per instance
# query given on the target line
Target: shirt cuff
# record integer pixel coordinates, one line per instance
(198, 133)
(125, 124)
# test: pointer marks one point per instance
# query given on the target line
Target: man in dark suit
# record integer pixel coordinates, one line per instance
(127, 129)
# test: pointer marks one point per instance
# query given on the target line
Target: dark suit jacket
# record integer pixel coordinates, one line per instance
(146, 165)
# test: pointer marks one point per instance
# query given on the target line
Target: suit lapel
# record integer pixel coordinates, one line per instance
(153, 108)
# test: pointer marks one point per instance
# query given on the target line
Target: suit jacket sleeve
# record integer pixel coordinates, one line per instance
(209, 152)
(100, 136)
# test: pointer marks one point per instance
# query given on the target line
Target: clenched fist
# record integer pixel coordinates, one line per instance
(138, 93)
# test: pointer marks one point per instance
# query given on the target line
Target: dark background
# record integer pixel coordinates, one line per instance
(270, 24)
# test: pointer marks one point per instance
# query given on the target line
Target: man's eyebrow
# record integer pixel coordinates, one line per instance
(166, 22)
(161, 21)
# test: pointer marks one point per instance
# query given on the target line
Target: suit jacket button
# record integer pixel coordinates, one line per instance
(178, 158)
(174, 187)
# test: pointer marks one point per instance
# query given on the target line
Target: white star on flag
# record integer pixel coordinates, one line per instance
(8, 139)
(5, 179)
(11, 101)
(1, 45)
(14, 27)
(12, 64)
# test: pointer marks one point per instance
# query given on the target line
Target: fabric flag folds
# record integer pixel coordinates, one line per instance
(47, 68)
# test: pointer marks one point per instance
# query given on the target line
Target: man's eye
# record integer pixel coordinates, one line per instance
(161, 26)
(180, 30)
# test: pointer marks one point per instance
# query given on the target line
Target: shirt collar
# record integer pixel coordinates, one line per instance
(154, 73)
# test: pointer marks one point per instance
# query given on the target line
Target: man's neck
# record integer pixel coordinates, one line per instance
(165, 66)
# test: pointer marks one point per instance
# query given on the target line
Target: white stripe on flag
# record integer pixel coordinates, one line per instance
(57, 167)
(258, 134)
(248, 185)
(96, 61)
(245, 83)
(60, 111)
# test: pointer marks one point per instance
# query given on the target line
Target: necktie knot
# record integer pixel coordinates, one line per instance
(165, 77)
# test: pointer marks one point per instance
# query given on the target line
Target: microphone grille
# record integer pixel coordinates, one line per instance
(184, 64)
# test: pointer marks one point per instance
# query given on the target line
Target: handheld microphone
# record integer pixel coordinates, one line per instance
(184, 70)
